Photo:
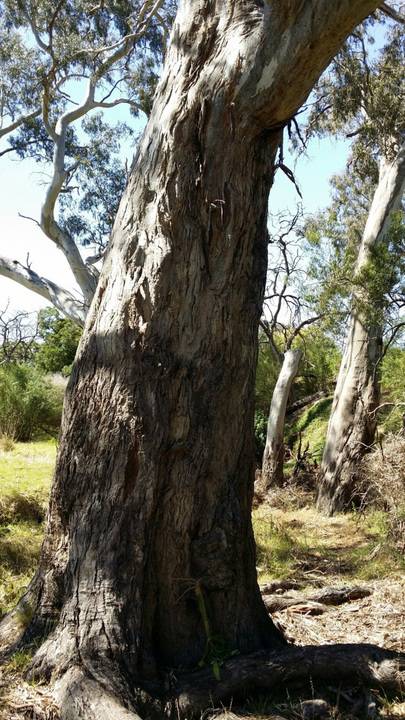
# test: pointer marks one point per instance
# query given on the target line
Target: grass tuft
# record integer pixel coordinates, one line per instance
(25, 475)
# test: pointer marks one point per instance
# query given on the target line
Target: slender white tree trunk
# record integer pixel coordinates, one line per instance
(273, 456)
(352, 423)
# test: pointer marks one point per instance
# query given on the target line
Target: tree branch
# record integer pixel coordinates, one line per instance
(20, 121)
(62, 299)
(298, 329)
(392, 13)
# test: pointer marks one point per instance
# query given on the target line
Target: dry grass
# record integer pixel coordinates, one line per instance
(383, 485)
(301, 544)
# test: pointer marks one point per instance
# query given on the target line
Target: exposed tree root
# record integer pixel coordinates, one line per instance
(13, 625)
(87, 694)
(347, 664)
(81, 697)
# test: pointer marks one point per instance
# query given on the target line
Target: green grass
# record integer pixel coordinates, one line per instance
(25, 477)
(312, 424)
(275, 547)
(295, 543)
(27, 468)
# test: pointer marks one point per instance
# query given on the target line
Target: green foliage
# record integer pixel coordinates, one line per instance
(312, 425)
(333, 240)
(260, 433)
(393, 390)
(216, 649)
(60, 338)
(50, 55)
(319, 368)
(25, 474)
(321, 361)
(362, 94)
(267, 372)
(28, 404)
(89, 215)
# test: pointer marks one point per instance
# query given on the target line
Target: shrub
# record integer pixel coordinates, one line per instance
(6, 443)
(393, 388)
(60, 338)
(260, 434)
(382, 485)
(28, 403)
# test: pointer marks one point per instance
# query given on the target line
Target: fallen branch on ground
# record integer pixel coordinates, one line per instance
(279, 585)
(314, 604)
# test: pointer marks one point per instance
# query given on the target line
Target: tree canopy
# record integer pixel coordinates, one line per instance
(58, 63)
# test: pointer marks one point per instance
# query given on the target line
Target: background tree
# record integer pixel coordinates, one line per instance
(363, 99)
(50, 54)
(18, 336)
(148, 561)
(59, 338)
(29, 405)
(285, 318)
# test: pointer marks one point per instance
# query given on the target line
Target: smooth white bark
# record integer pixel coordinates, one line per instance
(62, 299)
(273, 456)
(352, 423)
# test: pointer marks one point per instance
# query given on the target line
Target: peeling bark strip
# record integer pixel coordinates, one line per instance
(353, 420)
(149, 556)
(273, 456)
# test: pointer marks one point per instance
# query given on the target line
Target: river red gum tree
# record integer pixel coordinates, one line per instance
(149, 560)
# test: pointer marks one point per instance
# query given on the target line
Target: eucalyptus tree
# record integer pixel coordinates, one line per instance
(60, 62)
(286, 314)
(18, 336)
(148, 564)
(363, 98)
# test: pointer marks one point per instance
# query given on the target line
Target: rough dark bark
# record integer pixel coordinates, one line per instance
(353, 419)
(273, 456)
(149, 557)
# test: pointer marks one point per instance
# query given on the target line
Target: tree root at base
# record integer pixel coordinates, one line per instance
(369, 665)
(83, 696)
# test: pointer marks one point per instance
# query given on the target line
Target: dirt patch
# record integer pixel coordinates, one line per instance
(378, 619)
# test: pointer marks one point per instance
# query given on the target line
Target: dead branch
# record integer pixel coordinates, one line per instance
(316, 603)
(392, 13)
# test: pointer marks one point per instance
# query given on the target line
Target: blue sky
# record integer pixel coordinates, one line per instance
(23, 184)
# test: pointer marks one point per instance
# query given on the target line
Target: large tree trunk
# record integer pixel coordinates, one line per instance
(273, 456)
(352, 423)
(149, 563)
